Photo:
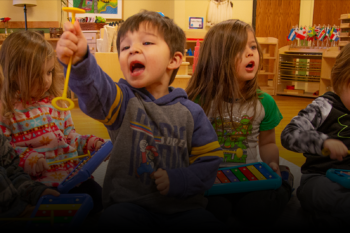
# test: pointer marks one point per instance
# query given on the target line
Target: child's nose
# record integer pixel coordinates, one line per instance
(134, 49)
(249, 54)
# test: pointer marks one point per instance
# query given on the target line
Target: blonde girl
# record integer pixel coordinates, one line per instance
(225, 84)
(38, 132)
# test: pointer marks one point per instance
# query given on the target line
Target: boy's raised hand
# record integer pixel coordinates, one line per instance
(162, 181)
(335, 148)
(71, 43)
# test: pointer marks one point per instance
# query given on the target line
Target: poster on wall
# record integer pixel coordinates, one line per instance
(195, 23)
(108, 9)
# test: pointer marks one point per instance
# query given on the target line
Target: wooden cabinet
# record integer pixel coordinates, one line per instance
(328, 60)
(267, 76)
(344, 33)
(307, 70)
(91, 37)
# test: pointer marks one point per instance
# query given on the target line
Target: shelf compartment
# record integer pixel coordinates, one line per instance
(345, 16)
(298, 68)
(300, 78)
(306, 94)
(343, 43)
(266, 73)
(345, 25)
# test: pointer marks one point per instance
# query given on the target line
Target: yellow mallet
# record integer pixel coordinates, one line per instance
(73, 10)
(326, 152)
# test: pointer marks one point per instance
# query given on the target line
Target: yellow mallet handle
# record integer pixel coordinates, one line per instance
(76, 157)
(326, 152)
(73, 10)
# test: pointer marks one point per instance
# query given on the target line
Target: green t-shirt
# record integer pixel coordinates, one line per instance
(239, 139)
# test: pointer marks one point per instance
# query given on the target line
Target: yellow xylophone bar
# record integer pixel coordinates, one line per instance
(256, 172)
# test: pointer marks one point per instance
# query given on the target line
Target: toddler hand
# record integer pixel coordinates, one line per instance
(98, 145)
(275, 167)
(41, 166)
(335, 149)
(49, 191)
(162, 181)
(71, 43)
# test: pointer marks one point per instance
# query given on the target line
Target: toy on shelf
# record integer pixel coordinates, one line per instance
(73, 10)
(5, 20)
(245, 178)
(66, 210)
(340, 176)
(189, 52)
(196, 54)
(85, 168)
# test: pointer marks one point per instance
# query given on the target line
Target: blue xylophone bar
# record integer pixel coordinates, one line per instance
(245, 178)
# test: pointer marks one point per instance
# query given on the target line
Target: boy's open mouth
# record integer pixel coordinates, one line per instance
(136, 66)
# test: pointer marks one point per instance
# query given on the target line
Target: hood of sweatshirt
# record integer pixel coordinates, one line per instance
(336, 101)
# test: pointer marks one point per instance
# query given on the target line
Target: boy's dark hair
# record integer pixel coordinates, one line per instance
(340, 75)
(173, 35)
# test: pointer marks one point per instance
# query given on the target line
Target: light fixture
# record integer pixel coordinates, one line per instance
(25, 4)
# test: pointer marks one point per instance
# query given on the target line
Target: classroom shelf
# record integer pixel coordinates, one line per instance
(308, 72)
(268, 75)
(344, 30)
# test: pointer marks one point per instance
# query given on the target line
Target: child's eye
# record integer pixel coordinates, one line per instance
(126, 47)
(254, 47)
(147, 43)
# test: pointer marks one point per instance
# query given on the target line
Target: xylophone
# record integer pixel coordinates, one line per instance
(245, 178)
(85, 168)
(66, 210)
(340, 176)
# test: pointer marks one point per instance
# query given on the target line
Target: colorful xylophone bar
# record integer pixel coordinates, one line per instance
(239, 179)
(66, 210)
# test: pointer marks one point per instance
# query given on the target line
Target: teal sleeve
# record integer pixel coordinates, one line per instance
(273, 115)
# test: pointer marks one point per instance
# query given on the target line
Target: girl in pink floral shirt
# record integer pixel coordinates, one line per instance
(39, 133)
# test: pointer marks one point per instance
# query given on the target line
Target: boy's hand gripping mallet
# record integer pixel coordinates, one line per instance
(73, 10)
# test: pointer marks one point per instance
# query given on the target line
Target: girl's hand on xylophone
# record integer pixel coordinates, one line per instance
(49, 191)
(98, 145)
(274, 166)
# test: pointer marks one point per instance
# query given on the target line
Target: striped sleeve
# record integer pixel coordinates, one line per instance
(205, 158)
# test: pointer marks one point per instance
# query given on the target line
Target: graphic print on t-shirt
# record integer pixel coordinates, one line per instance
(149, 142)
(233, 137)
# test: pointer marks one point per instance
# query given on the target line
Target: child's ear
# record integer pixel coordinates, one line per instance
(175, 61)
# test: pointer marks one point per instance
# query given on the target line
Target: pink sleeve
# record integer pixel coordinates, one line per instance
(81, 142)
(28, 156)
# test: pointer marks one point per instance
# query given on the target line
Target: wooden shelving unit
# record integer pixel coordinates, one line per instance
(307, 69)
(328, 60)
(344, 30)
(268, 74)
(191, 39)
